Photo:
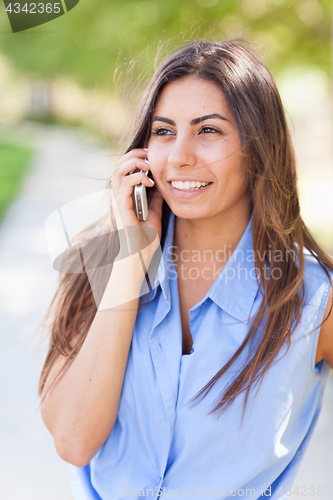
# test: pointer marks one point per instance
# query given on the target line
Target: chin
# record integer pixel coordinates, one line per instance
(188, 213)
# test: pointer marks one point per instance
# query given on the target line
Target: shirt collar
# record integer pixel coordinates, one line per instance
(235, 288)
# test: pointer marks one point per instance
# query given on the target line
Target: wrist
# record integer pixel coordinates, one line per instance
(137, 240)
(125, 282)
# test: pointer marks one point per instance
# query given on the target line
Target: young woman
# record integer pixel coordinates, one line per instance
(210, 383)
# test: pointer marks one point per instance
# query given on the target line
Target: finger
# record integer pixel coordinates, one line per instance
(129, 168)
(130, 181)
(134, 154)
(129, 165)
(123, 202)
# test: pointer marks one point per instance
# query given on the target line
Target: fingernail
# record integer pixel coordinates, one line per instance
(151, 180)
(145, 149)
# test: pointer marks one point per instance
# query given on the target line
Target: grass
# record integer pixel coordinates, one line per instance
(14, 160)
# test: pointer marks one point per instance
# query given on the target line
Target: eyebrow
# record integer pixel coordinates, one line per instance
(195, 121)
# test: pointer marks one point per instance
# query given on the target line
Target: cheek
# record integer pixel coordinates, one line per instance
(227, 154)
(234, 178)
(157, 174)
(243, 182)
(231, 168)
(237, 165)
(156, 162)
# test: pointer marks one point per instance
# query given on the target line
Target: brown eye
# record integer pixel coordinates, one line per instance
(209, 130)
(162, 131)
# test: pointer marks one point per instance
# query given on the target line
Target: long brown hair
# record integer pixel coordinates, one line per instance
(269, 161)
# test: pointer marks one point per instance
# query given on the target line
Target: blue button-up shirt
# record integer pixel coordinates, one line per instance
(161, 445)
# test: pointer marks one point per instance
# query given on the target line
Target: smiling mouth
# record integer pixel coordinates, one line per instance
(189, 185)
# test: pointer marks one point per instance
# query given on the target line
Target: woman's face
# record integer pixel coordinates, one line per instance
(194, 151)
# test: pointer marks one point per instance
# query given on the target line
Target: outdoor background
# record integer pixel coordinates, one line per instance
(68, 91)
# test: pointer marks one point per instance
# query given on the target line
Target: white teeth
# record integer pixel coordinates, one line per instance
(188, 185)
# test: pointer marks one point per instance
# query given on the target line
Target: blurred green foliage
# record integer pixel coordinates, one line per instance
(94, 38)
(14, 159)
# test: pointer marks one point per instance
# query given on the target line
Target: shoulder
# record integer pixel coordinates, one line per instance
(313, 270)
(318, 290)
(325, 342)
(316, 280)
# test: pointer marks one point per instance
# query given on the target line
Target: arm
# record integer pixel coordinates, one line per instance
(81, 408)
(325, 342)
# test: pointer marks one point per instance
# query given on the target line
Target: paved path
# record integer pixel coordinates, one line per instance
(30, 468)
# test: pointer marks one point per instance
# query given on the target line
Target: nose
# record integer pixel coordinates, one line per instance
(182, 153)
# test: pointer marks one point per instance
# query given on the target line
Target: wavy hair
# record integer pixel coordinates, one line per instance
(277, 226)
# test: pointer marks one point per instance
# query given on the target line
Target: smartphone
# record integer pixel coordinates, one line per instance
(141, 203)
(140, 199)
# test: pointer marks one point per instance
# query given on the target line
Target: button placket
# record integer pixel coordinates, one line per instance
(166, 390)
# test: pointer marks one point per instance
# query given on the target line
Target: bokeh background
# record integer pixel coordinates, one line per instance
(68, 92)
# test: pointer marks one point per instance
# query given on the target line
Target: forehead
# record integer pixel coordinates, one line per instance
(191, 94)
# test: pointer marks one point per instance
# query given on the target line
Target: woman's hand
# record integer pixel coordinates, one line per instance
(123, 183)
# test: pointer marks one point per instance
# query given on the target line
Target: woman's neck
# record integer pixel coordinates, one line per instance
(197, 237)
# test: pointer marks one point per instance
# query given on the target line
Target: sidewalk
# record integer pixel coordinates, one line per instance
(30, 467)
